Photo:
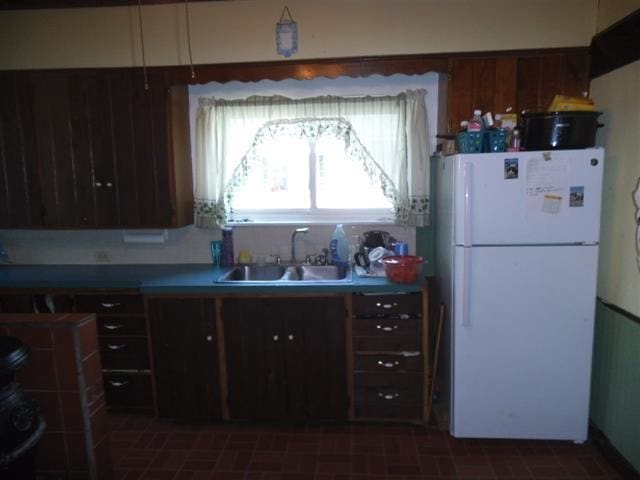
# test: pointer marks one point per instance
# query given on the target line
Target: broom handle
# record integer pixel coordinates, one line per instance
(435, 357)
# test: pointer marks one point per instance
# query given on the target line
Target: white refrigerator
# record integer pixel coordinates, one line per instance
(516, 264)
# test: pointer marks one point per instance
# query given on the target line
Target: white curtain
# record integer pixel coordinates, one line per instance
(392, 129)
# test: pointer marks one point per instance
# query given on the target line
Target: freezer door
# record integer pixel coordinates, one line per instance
(522, 341)
(528, 197)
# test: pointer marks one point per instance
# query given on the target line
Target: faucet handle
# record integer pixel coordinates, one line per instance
(276, 259)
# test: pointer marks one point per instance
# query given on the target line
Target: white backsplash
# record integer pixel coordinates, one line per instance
(183, 245)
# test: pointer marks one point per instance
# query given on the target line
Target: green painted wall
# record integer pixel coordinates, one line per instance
(615, 383)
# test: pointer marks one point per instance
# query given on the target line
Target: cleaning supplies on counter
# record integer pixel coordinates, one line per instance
(228, 258)
(339, 247)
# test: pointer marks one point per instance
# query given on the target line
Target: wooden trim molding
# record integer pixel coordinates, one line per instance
(616, 46)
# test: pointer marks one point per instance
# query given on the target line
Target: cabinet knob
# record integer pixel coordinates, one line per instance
(115, 383)
(109, 184)
(387, 305)
(98, 184)
(290, 337)
(276, 338)
(388, 396)
(388, 364)
(209, 338)
(116, 347)
(387, 329)
(109, 326)
(110, 305)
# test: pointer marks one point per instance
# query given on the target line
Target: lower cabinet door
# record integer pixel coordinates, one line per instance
(185, 354)
(285, 358)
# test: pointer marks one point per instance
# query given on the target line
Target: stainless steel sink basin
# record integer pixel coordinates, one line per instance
(286, 273)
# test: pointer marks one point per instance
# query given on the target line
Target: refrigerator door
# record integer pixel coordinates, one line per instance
(522, 340)
(528, 198)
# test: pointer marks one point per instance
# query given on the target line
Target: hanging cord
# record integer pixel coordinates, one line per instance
(186, 11)
(286, 10)
(144, 61)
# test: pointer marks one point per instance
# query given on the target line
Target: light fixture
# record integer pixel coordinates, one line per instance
(286, 34)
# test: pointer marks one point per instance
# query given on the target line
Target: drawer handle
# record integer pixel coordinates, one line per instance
(110, 305)
(387, 305)
(388, 396)
(388, 364)
(387, 329)
(109, 326)
(115, 383)
(116, 347)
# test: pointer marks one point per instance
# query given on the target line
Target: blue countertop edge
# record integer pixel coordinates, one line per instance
(154, 279)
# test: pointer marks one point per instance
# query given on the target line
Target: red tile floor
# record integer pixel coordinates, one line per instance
(144, 448)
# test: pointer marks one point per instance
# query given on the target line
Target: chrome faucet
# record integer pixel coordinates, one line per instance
(304, 230)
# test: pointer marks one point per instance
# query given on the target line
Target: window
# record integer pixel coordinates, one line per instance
(319, 159)
(313, 179)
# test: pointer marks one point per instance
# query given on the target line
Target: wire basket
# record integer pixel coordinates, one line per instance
(469, 142)
(495, 141)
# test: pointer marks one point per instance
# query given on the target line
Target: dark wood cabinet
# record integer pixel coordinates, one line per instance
(516, 81)
(285, 358)
(121, 325)
(20, 202)
(390, 355)
(93, 148)
(185, 355)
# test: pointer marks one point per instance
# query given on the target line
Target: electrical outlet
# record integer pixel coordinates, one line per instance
(102, 256)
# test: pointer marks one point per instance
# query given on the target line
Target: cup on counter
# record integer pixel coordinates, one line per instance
(401, 248)
(216, 252)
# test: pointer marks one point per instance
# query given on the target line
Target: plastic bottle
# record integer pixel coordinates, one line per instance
(339, 247)
(514, 143)
(228, 258)
(475, 124)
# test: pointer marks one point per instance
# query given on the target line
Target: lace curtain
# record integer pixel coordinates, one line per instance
(391, 134)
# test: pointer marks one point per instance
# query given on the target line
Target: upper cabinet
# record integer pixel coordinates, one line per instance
(519, 81)
(93, 149)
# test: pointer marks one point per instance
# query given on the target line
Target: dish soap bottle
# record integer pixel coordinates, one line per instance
(339, 247)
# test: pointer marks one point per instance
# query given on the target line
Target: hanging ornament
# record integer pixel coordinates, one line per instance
(286, 34)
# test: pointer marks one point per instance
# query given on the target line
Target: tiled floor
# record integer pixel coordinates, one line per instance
(143, 448)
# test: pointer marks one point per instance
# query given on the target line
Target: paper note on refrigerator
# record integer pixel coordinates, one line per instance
(547, 187)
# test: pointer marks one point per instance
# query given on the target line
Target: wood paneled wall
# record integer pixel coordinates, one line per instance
(519, 81)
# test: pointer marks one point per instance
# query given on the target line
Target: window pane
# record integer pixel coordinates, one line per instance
(279, 179)
(341, 182)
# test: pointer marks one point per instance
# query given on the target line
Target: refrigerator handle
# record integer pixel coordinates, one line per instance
(468, 177)
(466, 266)
(466, 286)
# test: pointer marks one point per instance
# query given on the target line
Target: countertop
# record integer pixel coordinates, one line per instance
(173, 279)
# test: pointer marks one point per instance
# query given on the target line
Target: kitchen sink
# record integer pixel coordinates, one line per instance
(286, 273)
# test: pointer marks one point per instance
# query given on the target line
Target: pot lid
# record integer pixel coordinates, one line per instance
(13, 354)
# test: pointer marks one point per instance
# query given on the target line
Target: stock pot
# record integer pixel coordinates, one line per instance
(559, 130)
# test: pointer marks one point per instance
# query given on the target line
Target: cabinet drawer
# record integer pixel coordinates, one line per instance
(128, 390)
(121, 325)
(109, 303)
(383, 402)
(388, 363)
(390, 380)
(387, 327)
(385, 334)
(386, 305)
(124, 353)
